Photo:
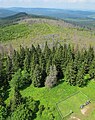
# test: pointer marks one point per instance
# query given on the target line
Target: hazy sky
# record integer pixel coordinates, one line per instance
(65, 4)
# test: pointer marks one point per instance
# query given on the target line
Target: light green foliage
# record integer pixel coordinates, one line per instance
(49, 97)
(20, 79)
(73, 103)
(46, 30)
(13, 32)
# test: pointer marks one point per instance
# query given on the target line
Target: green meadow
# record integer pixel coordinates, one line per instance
(63, 98)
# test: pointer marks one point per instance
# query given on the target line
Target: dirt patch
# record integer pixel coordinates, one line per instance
(85, 110)
(75, 118)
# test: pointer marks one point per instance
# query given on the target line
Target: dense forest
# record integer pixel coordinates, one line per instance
(43, 68)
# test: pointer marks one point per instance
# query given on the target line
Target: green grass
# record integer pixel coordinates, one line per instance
(89, 90)
(49, 97)
(56, 95)
(72, 103)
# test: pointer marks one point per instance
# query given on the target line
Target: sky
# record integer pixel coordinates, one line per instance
(63, 4)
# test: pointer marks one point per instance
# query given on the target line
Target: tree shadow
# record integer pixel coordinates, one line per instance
(25, 86)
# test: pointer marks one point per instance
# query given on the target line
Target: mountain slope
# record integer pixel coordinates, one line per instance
(14, 19)
(6, 12)
(38, 31)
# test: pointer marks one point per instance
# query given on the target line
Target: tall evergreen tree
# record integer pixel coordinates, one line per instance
(27, 63)
(70, 73)
(16, 61)
(92, 69)
(21, 57)
(47, 52)
(37, 76)
(17, 99)
(9, 71)
(80, 78)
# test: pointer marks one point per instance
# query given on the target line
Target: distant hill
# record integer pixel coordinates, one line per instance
(57, 13)
(13, 19)
(6, 12)
(78, 17)
(18, 17)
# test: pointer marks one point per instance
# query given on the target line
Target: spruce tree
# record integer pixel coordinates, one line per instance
(9, 68)
(47, 52)
(1, 68)
(37, 76)
(70, 74)
(17, 99)
(80, 81)
(42, 64)
(21, 57)
(92, 69)
(16, 61)
(27, 63)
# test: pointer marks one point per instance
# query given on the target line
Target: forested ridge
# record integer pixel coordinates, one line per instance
(42, 68)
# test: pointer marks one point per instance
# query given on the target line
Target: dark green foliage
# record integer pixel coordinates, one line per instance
(2, 96)
(16, 101)
(1, 70)
(22, 113)
(3, 112)
(22, 108)
(47, 52)
(41, 68)
(9, 68)
(92, 69)
(16, 61)
(32, 104)
(21, 57)
(33, 65)
(80, 81)
(37, 76)
(70, 73)
(27, 60)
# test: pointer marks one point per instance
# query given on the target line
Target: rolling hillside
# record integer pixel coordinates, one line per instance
(26, 30)
(57, 13)
(80, 18)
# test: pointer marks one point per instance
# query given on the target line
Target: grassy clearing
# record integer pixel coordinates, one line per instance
(89, 90)
(49, 98)
(73, 104)
(61, 92)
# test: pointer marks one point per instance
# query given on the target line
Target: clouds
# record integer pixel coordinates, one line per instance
(71, 1)
(66, 4)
